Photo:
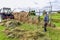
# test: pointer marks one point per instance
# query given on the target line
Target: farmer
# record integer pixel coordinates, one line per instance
(46, 20)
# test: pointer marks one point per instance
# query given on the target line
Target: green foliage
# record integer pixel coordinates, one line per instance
(44, 12)
(39, 18)
(32, 12)
(58, 12)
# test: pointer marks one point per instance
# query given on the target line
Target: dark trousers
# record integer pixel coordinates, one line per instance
(45, 27)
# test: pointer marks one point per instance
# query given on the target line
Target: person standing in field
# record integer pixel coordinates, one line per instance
(46, 21)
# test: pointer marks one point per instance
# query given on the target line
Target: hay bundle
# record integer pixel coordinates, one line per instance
(12, 24)
(22, 16)
(29, 20)
(25, 19)
(16, 15)
(7, 31)
(2, 24)
(35, 20)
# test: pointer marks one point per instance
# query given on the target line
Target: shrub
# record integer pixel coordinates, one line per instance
(32, 12)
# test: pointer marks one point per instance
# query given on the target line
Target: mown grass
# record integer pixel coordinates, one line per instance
(53, 33)
(55, 16)
(28, 27)
(24, 26)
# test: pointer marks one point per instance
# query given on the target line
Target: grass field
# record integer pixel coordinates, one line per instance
(53, 33)
(54, 17)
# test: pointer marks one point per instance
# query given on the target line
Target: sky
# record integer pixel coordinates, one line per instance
(41, 4)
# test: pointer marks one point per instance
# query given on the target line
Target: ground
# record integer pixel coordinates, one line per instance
(53, 33)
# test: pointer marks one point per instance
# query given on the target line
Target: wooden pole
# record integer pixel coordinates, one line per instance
(50, 12)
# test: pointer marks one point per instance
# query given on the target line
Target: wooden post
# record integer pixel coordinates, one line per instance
(0, 18)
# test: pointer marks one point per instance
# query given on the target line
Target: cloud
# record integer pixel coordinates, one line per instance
(30, 4)
(24, 3)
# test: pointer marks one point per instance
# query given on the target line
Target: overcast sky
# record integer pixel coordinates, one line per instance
(28, 3)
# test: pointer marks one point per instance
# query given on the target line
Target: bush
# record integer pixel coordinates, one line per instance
(32, 12)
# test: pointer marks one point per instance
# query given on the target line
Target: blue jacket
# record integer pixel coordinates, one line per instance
(46, 18)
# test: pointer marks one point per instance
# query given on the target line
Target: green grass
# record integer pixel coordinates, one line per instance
(53, 33)
(2, 28)
(57, 24)
(55, 16)
(28, 26)
(2, 36)
(25, 26)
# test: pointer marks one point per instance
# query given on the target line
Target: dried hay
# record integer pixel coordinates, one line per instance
(24, 17)
(29, 20)
(20, 15)
(35, 20)
(10, 23)
(25, 34)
